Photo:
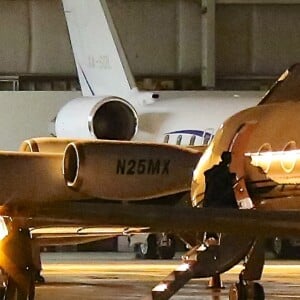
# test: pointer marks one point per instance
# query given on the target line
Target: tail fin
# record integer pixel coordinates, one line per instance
(100, 59)
(286, 88)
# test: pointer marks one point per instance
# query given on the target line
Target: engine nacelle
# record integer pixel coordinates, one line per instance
(128, 171)
(45, 144)
(109, 118)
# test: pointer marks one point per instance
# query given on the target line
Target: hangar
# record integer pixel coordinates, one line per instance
(190, 45)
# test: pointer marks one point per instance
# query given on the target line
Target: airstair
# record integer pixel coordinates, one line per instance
(204, 261)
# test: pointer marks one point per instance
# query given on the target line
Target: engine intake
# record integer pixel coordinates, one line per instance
(109, 118)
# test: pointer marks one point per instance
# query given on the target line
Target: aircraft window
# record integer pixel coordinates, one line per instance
(179, 139)
(288, 160)
(207, 136)
(290, 146)
(192, 140)
(266, 151)
(166, 138)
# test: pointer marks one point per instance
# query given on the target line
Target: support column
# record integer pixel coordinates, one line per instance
(208, 8)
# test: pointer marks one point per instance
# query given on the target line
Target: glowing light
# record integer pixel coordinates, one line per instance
(281, 166)
(183, 267)
(202, 248)
(160, 287)
(261, 159)
(3, 228)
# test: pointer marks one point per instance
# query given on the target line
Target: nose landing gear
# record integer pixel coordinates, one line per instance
(246, 290)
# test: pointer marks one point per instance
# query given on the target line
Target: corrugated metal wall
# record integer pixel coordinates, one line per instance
(257, 39)
(160, 37)
(34, 38)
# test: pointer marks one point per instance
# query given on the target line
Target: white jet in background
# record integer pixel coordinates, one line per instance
(112, 107)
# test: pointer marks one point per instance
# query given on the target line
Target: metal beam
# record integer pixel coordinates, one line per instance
(208, 43)
(258, 2)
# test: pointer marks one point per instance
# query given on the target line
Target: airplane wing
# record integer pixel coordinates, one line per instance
(286, 88)
(174, 218)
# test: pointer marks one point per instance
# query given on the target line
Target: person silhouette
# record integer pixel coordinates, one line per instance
(219, 183)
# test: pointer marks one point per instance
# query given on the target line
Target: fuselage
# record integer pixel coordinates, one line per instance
(275, 130)
(191, 117)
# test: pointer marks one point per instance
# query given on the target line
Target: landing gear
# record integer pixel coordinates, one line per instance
(17, 267)
(281, 247)
(147, 250)
(16, 292)
(215, 282)
(157, 246)
(167, 247)
(38, 278)
(246, 290)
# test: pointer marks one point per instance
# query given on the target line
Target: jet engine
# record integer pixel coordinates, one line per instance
(45, 144)
(121, 170)
(109, 118)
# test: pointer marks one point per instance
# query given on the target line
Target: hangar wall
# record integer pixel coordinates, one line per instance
(161, 37)
(28, 114)
(34, 38)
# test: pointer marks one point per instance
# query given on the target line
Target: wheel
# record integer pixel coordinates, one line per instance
(246, 291)
(39, 278)
(281, 247)
(168, 249)
(147, 250)
(237, 292)
(258, 291)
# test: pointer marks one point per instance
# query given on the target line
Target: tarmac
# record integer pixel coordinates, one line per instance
(113, 275)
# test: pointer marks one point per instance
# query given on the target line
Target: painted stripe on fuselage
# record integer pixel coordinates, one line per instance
(191, 132)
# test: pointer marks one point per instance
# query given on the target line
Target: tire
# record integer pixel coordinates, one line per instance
(237, 292)
(248, 291)
(147, 250)
(281, 248)
(167, 251)
(258, 291)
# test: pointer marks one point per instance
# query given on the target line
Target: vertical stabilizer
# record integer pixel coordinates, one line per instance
(100, 59)
(286, 88)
